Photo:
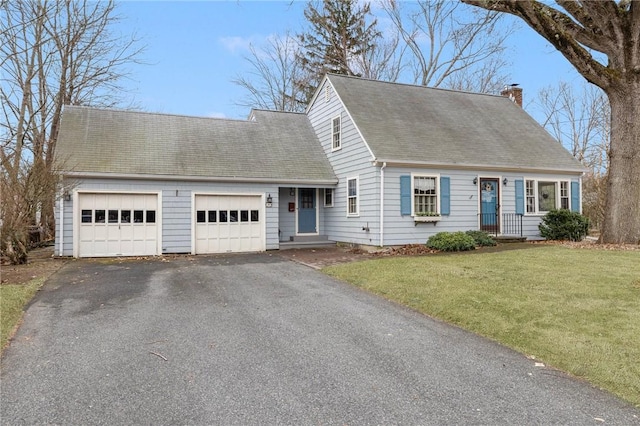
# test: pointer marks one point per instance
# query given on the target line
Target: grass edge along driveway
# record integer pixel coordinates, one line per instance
(575, 309)
(13, 299)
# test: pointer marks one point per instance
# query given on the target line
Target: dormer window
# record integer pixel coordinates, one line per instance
(336, 134)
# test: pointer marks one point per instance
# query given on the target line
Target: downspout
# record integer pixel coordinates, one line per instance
(382, 203)
(61, 228)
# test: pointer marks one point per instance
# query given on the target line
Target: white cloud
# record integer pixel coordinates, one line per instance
(236, 44)
(216, 115)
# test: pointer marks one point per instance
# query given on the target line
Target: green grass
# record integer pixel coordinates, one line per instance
(13, 298)
(575, 309)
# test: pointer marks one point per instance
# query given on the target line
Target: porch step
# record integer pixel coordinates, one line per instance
(307, 241)
(309, 238)
(505, 239)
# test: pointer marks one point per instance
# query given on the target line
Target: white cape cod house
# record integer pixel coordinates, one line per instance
(369, 163)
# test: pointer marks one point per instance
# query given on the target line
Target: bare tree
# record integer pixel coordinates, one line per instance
(274, 79)
(383, 60)
(601, 39)
(579, 118)
(452, 45)
(54, 54)
(284, 73)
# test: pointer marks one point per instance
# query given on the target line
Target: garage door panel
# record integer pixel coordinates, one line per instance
(224, 224)
(118, 224)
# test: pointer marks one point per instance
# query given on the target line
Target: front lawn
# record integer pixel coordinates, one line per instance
(13, 298)
(574, 309)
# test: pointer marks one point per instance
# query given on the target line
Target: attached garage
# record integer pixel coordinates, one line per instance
(145, 184)
(117, 224)
(229, 223)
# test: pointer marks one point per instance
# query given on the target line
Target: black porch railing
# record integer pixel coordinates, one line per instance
(491, 223)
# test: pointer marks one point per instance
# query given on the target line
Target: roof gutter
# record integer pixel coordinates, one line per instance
(407, 163)
(237, 179)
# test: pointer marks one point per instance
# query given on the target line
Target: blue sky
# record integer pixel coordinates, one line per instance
(194, 50)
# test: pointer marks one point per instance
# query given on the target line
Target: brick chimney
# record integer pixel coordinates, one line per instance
(514, 93)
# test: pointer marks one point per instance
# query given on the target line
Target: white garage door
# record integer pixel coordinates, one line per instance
(118, 225)
(228, 223)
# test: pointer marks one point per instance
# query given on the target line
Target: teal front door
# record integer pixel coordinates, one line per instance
(489, 205)
(307, 223)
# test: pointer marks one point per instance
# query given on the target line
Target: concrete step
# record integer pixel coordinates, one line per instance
(309, 238)
(286, 245)
(505, 239)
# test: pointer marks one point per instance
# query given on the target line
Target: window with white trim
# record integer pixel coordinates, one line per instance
(352, 197)
(546, 195)
(328, 197)
(564, 195)
(425, 195)
(336, 134)
(531, 197)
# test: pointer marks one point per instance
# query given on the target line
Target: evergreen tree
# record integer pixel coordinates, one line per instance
(338, 37)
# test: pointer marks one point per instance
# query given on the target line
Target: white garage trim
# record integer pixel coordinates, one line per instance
(212, 245)
(77, 194)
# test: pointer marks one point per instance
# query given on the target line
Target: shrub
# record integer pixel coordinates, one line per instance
(481, 238)
(451, 241)
(564, 225)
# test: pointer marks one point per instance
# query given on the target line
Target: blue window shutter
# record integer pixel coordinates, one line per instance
(445, 195)
(519, 196)
(405, 195)
(575, 196)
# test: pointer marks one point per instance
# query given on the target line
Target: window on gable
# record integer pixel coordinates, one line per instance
(328, 197)
(352, 197)
(425, 195)
(336, 134)
(545, 195)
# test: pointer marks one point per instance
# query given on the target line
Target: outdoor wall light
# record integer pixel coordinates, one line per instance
(67, 196)
(269, 199)
(475, 180)
(505, 181)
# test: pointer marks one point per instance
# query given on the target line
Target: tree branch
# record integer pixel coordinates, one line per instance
(563, 33)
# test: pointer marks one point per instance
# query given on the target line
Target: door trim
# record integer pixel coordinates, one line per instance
(498, 180)
(317, 213)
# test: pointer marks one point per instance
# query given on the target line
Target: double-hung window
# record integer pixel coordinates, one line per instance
(328, 197)
(336, 134)
(425, 195)
(546, 195)
(352, 197)
(564, 195)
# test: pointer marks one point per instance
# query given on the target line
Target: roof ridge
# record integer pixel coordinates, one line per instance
(278, 111)
(417, 86)
(166, 114)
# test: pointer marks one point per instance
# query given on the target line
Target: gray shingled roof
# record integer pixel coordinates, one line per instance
(275, 146)
(407, 123)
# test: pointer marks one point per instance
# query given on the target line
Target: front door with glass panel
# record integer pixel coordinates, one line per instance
(489, 205)
(307, 221)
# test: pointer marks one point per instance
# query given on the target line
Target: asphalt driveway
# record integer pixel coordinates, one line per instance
(257, 339)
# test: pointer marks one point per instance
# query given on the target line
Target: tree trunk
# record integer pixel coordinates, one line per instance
(622, 214)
